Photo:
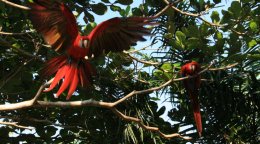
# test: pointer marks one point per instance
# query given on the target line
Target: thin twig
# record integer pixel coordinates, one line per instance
(143, 61)
(16, 125)
(149, 128)
(8, 33)
(162, 11)
(144, 48)
(225, 67)
(46, 121)
(5, 43)
(193, 15)
(4, 81)
(204, 20)
(15, 5)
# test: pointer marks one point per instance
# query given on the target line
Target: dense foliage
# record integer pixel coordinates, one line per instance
(229, 96)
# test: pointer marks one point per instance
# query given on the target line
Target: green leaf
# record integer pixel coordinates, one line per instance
(125, 2)
(127, 10)
(161, 111)
(193, 42)
(177, 44)
(89, 27)
(205, 29)
(136, 11)
(180, 36)
(219, 35)
(51, 130)
(171, 27)
(226, 16)
(252, 43)
(122, 13)
(16, 45)
(215, 17)
(193, 31)
(99, 8)
(216, 1)
(115, 8)
(237, 57)
(253, 26)
(89, 16)
(253, 56)
(167, 67)
(235, 8)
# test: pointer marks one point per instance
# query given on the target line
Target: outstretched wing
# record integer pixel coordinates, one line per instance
(118, 34)
(55, 22)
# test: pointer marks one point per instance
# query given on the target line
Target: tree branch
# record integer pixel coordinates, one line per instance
(143, 61)
(34, 103)
(5, 43)
(199, 17)
(15, 5)
(16, 125)
(225, 67)
(24, 104)
(149, 128)
(193, 15)
(46, 121)
(162, 11)
(8, 33)
(144, 48)
(5, 80)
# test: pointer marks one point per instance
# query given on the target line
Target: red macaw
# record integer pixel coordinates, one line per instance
(58, 27)
(192, 87)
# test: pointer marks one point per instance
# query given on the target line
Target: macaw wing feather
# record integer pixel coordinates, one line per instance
(55, 22)
(118, 34)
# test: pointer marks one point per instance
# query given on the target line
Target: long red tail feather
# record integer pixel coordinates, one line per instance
(71, 71)
(59, 75)
(67, 80)
(196, 111)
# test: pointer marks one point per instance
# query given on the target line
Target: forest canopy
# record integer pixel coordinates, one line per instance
(137, 95)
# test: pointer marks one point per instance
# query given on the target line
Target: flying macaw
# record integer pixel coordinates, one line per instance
(192, 86)
(56, 23)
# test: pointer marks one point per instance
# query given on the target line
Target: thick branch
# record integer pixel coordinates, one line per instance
(35, 103)
(73, 104)
(24, 104)
(32, 102)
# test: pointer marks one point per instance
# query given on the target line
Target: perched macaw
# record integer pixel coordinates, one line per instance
(56, 23)
(192, 86)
